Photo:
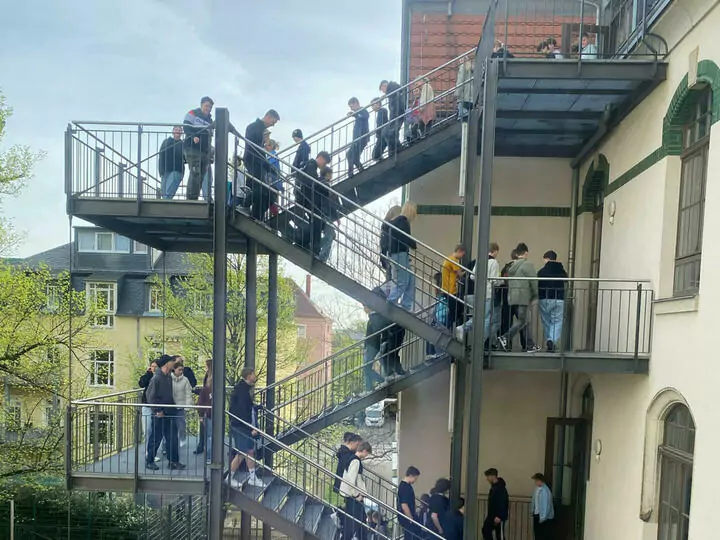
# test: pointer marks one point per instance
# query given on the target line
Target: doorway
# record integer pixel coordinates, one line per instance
(567, 456)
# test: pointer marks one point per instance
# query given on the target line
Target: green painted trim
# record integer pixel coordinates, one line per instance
(636, 170)
(681, 106)
(507, 211)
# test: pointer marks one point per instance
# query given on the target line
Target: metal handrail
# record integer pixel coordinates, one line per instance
(114, 394)
(344, 198)
(404, 87)
(334, 355)
(331, 474)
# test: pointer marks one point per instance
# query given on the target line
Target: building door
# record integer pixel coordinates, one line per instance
(566, 458)
(593, 285)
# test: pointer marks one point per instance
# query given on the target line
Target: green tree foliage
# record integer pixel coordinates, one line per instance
(16, 165)
(189, 301)
(41, 321)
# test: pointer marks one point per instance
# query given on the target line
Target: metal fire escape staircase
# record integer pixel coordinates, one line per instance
(296, 495)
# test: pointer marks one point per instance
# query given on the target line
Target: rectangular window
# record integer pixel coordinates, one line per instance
(13, 417)
(122, 244)
(104, 241)
(53, 297)
(155, 300)
(691, 213)
(301, 331)
(102, 299)
(102, 368)
(139, 248)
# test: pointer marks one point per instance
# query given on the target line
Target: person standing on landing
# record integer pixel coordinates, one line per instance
(522, 294)
(401, 242)
(198, 137)
(498, 507)
(171, 163)
(551, 298)
(182, 395)
(542, 509)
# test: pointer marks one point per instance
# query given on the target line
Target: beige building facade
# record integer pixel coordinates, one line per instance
(647, 207)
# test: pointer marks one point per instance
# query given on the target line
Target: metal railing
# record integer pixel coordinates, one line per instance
(348, 373)
(554, 29)
(106, 436)
(317, 482)
(519, 525)
(350, 239)
(604, 317)
(435, 114)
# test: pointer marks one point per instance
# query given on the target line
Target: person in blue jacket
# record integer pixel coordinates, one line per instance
(542, 509)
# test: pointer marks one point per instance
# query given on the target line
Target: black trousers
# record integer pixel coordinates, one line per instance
(490, 531)
(260, 200)
(163, 427)
(380, 145)
(354, 154)
(201, 438)
(542, 531)
(354, 527)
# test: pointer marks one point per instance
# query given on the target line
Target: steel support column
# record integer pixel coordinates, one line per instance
(487, 154)
(468, 224)
(216, 513)
(271, 367)
(250, 336)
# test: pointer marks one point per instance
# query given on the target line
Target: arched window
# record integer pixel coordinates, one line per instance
(676, 465)
(695, 145)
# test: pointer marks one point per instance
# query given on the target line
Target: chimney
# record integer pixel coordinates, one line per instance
(308, 285)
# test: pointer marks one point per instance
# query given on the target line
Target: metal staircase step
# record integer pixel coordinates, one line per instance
(275, 494)
(312, 515)
(256, 492)
(326, 529)
(293, 507)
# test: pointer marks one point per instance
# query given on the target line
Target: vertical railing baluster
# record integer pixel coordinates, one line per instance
(139, 166)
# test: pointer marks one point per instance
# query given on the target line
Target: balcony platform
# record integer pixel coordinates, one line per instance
(118, 472)
(564, 108)
(168, 225)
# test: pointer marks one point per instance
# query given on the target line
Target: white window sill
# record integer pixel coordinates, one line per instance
(681, 304)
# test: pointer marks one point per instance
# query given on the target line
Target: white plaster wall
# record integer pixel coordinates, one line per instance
(515, 408)
(641, 245)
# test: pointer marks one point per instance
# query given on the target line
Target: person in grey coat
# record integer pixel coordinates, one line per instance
(522, 294)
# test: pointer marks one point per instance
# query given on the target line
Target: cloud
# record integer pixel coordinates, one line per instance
(151, 60)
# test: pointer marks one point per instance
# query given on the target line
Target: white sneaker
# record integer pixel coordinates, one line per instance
(459, 333)
(157, 459)
(235, 483)
(253, 480)
(183, 443)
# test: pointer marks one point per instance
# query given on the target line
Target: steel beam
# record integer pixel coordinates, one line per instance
(250, 337)
(487, 155)
(598, 70)
(548, 115)
(271, 368)
(556, 91)
(126, 484)
(215, 507)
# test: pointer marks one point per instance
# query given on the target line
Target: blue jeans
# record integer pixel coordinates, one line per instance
(492, 320)
(551, 313)
(170, 184)
(403, 289)
(371, 376)
(328, 237)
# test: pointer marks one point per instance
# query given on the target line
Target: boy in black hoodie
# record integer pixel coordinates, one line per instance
(381, 118)
(498, 507)
(551, 297)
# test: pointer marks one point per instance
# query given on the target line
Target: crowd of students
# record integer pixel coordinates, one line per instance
(168, 386)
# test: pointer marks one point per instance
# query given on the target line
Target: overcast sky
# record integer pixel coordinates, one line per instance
(152, 60)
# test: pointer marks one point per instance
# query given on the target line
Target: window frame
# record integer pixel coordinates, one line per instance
(16, 424)
(93, 371)
(107, 314)
(156, 292)
(135, 249)
(698, 146)
(301, 331)
(53, 294)
(676, 470)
